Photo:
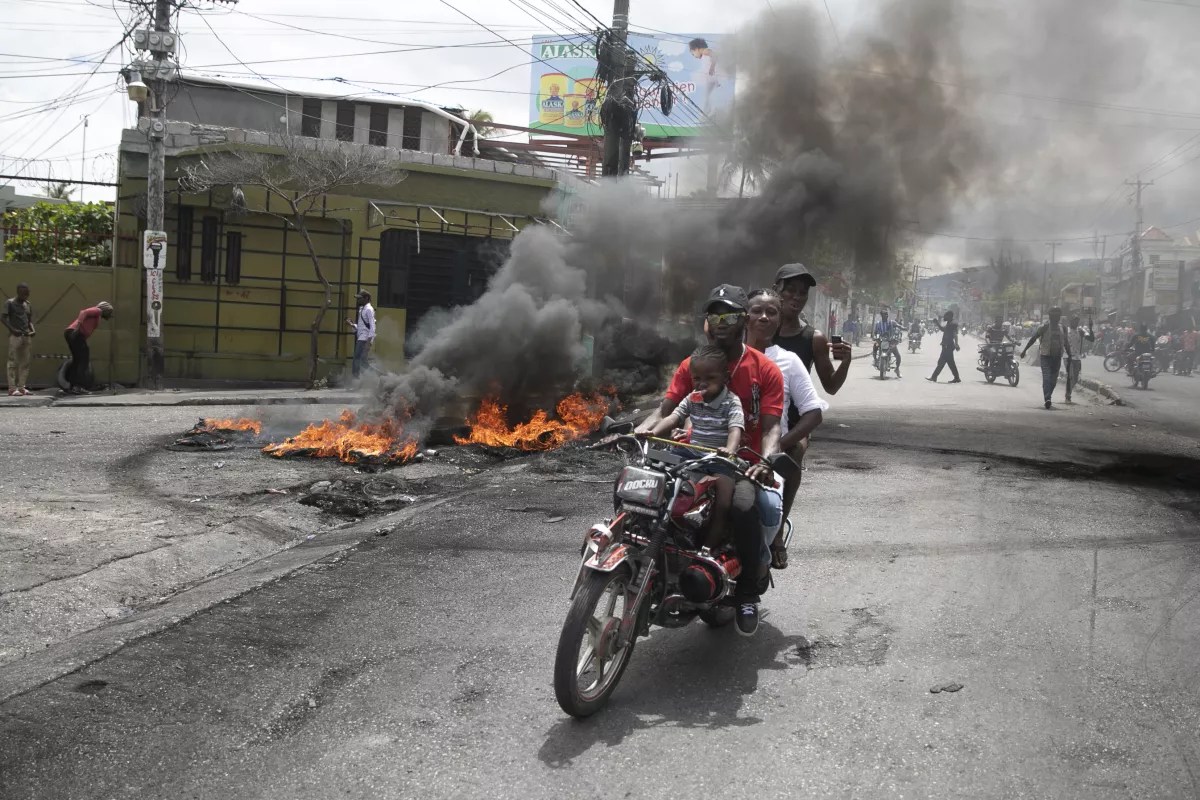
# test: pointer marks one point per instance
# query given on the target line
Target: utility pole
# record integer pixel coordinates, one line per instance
(82, 155)
(156, 180)
(1136, 242)
(1046, 274)
(618, 115)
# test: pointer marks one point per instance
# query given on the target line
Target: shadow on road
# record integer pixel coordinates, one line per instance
(698, 683)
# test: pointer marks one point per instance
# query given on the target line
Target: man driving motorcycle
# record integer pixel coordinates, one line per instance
(758, 384)
(886, 334)
(1141, 342)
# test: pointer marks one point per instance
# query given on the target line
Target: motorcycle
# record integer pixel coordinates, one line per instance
(914, 342)
(999, 360)
(1114, 360)
(1184, 362)
(645, 566)
(1142, 370)
(882, 357)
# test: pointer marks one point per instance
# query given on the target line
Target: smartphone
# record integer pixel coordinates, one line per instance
(835, 339)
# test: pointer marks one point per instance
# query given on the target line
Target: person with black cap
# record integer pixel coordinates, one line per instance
(758, 384)
(793, 282)
(364, 332)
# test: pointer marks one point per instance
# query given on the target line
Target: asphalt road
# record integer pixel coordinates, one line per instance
(1170, 397)
(1047, 561)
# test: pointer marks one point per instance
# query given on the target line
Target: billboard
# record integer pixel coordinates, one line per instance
(565, 94)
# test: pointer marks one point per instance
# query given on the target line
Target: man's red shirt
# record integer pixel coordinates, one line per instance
(87, 321)
(755, 380)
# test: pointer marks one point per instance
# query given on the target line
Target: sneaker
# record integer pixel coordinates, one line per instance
(957, 380)
(934, 380)
(747, 618)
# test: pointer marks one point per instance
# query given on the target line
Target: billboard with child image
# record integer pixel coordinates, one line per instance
(566, 95)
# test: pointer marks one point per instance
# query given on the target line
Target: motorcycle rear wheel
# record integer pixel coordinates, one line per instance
(583, 683)
(1112, 362)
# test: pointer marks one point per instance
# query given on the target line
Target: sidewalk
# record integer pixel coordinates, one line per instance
(132, 398)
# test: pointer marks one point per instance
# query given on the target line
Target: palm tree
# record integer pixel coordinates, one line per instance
(482, 120)
(62, 190)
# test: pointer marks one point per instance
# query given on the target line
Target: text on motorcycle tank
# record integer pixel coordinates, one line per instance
(642, 486)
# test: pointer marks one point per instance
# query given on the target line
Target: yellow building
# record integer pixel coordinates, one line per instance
(240, 289)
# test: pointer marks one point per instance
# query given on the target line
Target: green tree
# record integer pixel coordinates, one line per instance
(483, 122)
(59, 191)
(60, 233)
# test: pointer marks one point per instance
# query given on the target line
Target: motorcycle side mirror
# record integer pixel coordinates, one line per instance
(784, 464)
(609, 426)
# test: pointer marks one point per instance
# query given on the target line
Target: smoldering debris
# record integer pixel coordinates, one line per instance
(364, 496)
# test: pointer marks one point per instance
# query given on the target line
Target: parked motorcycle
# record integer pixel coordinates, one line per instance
(645, 566)
(999, 361)
(1142, 370)
(1184, 362)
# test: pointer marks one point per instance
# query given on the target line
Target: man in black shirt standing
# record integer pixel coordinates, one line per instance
(793, 281)
(949, 345)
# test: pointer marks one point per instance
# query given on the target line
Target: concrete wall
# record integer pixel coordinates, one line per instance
(58, 293)
(256, 110)
(251, 110)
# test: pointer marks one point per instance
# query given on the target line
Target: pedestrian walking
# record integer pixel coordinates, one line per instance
(364, 333)
(1055, 342)
(1076, 337)
(77, 335)
(18, 318)
(949, 347)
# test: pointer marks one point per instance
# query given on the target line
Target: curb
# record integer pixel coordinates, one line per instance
(1102, 389)
(125, 401)
(38, 669)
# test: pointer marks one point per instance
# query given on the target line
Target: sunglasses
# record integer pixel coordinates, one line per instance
(728, 318)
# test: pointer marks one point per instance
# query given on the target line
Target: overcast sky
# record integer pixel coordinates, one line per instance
(1061, 169)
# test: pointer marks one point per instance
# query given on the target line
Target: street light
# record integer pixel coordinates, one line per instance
(138, 92)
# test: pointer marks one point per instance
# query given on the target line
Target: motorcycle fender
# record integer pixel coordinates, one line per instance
(608, 561)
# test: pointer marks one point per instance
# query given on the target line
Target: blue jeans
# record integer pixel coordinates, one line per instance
(362, 347)
(770, 514)
(1050, 368)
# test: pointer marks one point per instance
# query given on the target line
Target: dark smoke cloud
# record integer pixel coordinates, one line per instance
(908, 125)
(846, 150)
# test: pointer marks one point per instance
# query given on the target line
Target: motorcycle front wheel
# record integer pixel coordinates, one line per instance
(718, 616)
(1112, 362)
(586, 666)
(1014, 377)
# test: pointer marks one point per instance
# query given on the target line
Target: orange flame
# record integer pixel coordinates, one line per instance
(578, 415)
(350, 441)
(229, 425)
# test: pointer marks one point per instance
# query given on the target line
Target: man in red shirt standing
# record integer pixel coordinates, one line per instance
(758, 383)
(77, 335)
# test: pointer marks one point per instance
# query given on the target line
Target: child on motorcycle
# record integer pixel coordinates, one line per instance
(717, 421)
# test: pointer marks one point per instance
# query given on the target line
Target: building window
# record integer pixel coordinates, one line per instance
(208, 249)
(183, 244)
(377, 135)
(412, 129)
(345, 121)
(310, 118)
(233, 257)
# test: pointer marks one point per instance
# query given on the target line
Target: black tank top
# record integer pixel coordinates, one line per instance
(799, 343)
(802, 345)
